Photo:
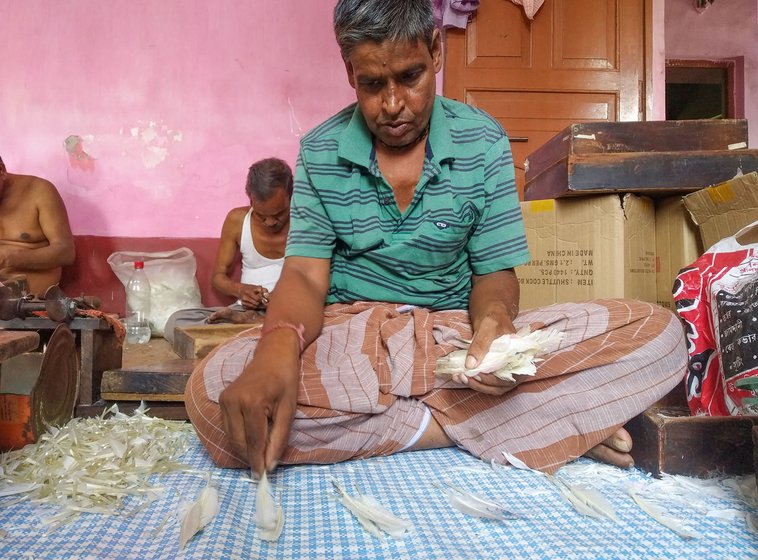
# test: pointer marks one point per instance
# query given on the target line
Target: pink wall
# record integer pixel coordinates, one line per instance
(146, 114)
(726, 29)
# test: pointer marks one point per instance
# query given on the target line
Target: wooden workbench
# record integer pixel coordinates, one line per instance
(157, 372)
(97, 346)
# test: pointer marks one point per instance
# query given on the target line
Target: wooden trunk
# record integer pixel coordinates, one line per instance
(669, 440)
(663, 157)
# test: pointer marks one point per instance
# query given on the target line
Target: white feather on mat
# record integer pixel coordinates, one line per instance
(269, 517)
(476, 506)
(197, 515)
(585, 499)
(372, 515)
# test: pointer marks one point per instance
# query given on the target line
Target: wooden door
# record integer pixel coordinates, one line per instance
(577, 61)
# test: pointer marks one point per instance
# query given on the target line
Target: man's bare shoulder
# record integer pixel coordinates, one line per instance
(233, 222)
(239, 212)
(31, 188)
(237, 215)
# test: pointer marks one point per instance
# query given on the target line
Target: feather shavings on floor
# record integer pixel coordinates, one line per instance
(675, 501)
(93, 465)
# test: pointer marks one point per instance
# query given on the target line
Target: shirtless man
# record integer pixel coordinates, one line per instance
(35, 237)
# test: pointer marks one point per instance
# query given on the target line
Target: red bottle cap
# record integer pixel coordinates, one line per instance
(139, 264)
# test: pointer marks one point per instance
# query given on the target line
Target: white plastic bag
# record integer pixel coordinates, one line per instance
(173, 284)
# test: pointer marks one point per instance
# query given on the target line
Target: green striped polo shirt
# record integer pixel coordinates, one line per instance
(464, 218)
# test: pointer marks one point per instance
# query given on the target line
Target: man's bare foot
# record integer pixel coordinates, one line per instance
(614, 450)
(227, 315)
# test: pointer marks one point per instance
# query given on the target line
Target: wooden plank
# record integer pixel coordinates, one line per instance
(197, 341)
(164, 381)
(155, 351)
(670, 440)
(658, 136)
(142, 397)
(13, 343)
(38, 323)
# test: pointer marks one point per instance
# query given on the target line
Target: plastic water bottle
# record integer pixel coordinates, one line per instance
(138, 306)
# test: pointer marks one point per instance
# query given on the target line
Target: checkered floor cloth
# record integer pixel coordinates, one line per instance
(411, 485)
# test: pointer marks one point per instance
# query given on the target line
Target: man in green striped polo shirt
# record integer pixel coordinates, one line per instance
(407, 200)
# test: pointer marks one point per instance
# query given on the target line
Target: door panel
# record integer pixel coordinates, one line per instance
(577, 61)
(582, 42)
(498, 40)
(534, 117)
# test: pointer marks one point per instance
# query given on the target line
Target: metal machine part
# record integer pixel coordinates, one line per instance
(56, 304)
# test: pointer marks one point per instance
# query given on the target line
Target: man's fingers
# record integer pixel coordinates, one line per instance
(279, 435)
(256, 438)
(476, 353)
(614, 450)
(234, 427)
(490, 388)
(620, 441)
(246, 427)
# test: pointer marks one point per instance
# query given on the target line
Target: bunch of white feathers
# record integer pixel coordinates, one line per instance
(509, 355)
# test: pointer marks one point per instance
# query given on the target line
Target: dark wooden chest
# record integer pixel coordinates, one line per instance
(652, 157)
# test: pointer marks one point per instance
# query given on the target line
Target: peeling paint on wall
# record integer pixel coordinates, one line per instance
(166, 103)
(77, 156)
(153, 141)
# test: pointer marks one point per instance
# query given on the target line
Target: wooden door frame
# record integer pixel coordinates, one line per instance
(648, 50)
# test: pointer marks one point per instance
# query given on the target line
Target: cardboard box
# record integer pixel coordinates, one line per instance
(588, 247)
(677, 244)
(652, 158)
(724, 209)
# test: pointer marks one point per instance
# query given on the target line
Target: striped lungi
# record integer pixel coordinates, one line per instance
(368, 383)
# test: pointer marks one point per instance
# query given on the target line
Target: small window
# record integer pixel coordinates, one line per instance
(700, 89)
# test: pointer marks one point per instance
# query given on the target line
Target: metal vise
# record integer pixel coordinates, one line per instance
(59, 308)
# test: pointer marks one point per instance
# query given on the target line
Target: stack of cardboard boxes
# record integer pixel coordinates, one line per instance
(604, 210)
(616, 210)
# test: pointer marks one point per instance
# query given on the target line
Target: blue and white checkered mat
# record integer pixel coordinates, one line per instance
(317, 526)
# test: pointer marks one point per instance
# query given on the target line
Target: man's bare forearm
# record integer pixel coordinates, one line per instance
(495, 297)
(41, 258)
(299, 299)
(222, 283)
